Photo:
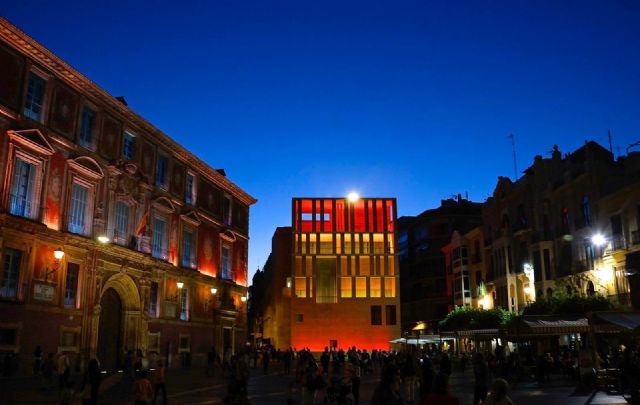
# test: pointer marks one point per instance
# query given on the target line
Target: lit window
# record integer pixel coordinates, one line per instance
(346, 284)
(189, 194)
(375, 287)
(34, 101)
(361, 287)
(184, 306)
(71, 285)
(226, 262)
(22, 202)
(161, 171)
(122, 223)
(188, 248)
(226, 209)
(301, 287)
(159, 240)
(128, 145)
(365, 265)
(87, 128)
(78, 209)
(10, 273)
(389, 287)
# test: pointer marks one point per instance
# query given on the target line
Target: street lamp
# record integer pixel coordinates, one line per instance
(180, 284)
(214, 291)
(58, 254)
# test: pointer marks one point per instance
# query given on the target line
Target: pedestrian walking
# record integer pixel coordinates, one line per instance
(63, 370)
(440, 394)
(498, 394)
(265, 361)
(160, 381)
(37, 360)
(388, 390)
(481, 374)
(48, 368)
(211, 362)
(356, 375)
(445, 364)
(142, 391)
(91, 383)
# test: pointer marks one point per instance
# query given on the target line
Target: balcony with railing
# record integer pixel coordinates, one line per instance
(618, 242)
(160, 253)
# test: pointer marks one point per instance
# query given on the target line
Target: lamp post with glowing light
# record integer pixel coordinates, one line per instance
(58, 254)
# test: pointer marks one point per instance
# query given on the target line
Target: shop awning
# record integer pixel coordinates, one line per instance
(556, 324)
(478, 332)
(625, 320)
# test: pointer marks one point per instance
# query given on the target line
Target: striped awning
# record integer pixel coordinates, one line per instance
(556, 325)
(477, 332)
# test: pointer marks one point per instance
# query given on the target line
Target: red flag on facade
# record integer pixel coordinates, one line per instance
(142, 226)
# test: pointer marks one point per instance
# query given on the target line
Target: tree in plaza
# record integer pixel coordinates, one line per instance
(466, 318)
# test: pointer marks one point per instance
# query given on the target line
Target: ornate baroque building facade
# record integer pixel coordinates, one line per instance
(113, 237)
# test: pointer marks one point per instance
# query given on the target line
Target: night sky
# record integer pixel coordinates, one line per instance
(412, 100)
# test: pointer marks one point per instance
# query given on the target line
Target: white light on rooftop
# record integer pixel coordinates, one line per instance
(353, 196)
(598, 239)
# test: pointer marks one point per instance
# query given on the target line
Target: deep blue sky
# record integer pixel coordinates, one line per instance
(407, 99)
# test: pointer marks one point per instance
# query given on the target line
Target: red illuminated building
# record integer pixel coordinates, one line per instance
(332, 278)
(113, 237)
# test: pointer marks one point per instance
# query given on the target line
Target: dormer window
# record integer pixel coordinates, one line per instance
(34, 101)
(226, 209)
(162, 169)
(128, 145)
(190, 189)
(87, 128)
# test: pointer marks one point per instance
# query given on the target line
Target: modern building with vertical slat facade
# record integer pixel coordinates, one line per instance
(342, 288)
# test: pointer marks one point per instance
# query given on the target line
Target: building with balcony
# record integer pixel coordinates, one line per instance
(426, 294)
(568, 223)
(467, 270)
(332, 277)
(113, 237)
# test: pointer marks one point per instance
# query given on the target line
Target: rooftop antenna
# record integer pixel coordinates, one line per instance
(515, 165)
(610, 143)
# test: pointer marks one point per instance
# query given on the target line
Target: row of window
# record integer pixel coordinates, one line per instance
(348, 265)
(361, 243)
(33, 109)
(350, 287)
(24, 198)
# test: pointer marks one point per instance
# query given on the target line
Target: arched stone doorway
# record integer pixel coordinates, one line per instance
(110, 330)
(118, 323)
